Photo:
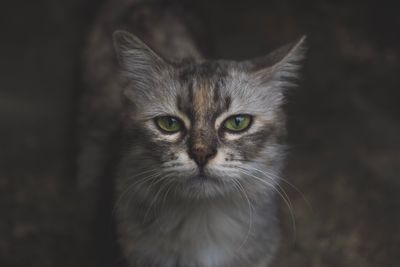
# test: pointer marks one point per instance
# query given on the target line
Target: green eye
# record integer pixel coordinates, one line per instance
(237, 123)
(169, 124)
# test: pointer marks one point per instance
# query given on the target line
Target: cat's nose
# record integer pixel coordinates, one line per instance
(202, 154)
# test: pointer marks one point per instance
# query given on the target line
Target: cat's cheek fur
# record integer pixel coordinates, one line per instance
(221, 165)
(180, 163)
(219, 159)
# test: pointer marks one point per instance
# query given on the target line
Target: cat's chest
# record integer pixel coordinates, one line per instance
(203, 237)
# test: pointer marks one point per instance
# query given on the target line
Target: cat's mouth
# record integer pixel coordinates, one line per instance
(204, 177)
(205, 184)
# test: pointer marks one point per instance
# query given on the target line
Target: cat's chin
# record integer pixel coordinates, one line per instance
(203, 185)
(201, 177)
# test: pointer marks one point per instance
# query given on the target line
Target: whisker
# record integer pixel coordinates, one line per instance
(166, 193)
(277, 191)
(169, 186)
(141, 173)
(286, 182)
(274, 180)
(133, 185)
(250, 207)
(156, 195)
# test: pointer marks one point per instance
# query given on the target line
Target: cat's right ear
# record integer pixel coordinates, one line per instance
(138, 61)
(280, 68)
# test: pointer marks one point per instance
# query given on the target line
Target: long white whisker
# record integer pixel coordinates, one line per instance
(241, 190)
(156, 195)
(284, 180)
(266, 173)
(169, 186)
(131, 186)
(274, 179)
(277, 191)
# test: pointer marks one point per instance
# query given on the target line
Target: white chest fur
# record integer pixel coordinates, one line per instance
(205, 235)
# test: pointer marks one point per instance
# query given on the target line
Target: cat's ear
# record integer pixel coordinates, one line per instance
(139, 62)
(280, 68)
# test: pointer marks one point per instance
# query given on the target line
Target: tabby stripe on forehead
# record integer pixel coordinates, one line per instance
(183, 106)
(216, 93)
(228, 101)
(190, 90)
(200, 100)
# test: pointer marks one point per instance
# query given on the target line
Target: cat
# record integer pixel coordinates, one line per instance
(200, 143)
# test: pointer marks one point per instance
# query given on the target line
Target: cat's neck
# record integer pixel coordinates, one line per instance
(174, 210)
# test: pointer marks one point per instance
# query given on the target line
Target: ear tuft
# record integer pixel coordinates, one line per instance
(281, 66)
(139, 62)
(126, 43)
(289, 65)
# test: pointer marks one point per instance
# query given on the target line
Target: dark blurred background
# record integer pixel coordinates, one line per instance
(344, 123)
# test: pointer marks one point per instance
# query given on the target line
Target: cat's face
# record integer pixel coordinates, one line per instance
(205, 128)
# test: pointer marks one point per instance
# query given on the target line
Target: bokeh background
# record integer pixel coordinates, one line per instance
(344, 123)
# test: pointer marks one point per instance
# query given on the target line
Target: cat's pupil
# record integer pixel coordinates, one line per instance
(170, 122)
(238, 120)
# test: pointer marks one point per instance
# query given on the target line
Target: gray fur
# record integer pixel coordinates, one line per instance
(171, 212)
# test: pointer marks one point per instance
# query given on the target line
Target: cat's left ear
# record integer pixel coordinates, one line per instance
(138, 61)
(278, 69)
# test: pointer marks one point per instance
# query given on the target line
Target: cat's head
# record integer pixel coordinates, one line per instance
(204, 128)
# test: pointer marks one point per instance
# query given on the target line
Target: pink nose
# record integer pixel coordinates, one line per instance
(202, 154)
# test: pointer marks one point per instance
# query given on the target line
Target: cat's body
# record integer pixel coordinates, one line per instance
(199, 195)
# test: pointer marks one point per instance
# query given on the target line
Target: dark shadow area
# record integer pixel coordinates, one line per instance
(344, 128)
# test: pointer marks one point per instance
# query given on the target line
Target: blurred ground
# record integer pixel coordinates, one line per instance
(344, 126)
